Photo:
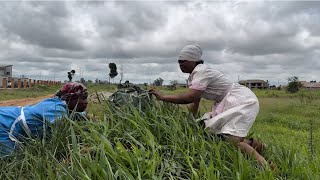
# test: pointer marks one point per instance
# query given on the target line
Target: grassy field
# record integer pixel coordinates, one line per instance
(39, 90)
(163, 142)
(42, 90)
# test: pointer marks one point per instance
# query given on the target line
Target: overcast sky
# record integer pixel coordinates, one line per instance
(269, 40)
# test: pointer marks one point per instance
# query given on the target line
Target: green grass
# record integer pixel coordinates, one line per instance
(42, 90)
(39, 90)
(92, 88)
(164, 142)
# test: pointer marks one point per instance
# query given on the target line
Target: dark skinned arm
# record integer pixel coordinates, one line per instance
(193, 108)
(190, 96)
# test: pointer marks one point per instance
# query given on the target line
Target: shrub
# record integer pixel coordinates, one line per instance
(294, 84)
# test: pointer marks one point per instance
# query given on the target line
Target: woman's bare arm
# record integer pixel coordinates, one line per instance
(190, 96)
(193, 108)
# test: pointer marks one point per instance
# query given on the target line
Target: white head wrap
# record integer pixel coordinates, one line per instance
(191, 53)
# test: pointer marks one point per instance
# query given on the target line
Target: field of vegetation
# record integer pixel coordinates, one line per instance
(40, 90)
(164, 142)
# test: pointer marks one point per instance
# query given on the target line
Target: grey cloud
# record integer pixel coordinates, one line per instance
(130, 19)
(124, 29)
(45, 70)
(261, 39)
(271, 27)
(292, 8)
(39, 23)
(50, 8)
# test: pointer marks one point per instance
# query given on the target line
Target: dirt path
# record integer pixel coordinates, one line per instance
(23, 102)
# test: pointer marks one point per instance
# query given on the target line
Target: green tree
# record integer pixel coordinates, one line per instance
(113, 71)
(158, 82)
(71, 74)
(294, 85)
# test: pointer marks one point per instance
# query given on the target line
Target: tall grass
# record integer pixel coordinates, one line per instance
(163, 142)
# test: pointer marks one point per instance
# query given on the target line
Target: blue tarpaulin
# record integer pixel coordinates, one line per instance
(16, 122)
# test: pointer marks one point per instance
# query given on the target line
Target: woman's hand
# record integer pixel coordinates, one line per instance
(189, 97)
(156, 93)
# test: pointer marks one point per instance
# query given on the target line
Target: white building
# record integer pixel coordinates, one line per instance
(255, 83)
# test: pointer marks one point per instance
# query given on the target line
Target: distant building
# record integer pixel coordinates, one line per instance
(6, 71)
(310, 85)
(255, 83)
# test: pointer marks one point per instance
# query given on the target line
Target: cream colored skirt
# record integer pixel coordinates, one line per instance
(235, 114)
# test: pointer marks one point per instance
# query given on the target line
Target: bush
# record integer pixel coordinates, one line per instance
(294, 85)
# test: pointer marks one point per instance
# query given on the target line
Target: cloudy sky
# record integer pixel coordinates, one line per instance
(269, 40)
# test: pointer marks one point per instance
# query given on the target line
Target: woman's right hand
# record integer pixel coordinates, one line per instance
(156, 93)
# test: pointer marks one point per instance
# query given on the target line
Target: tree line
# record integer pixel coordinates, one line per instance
(293, 82)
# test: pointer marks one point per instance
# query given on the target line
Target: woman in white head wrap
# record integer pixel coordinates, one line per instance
(236, 106)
